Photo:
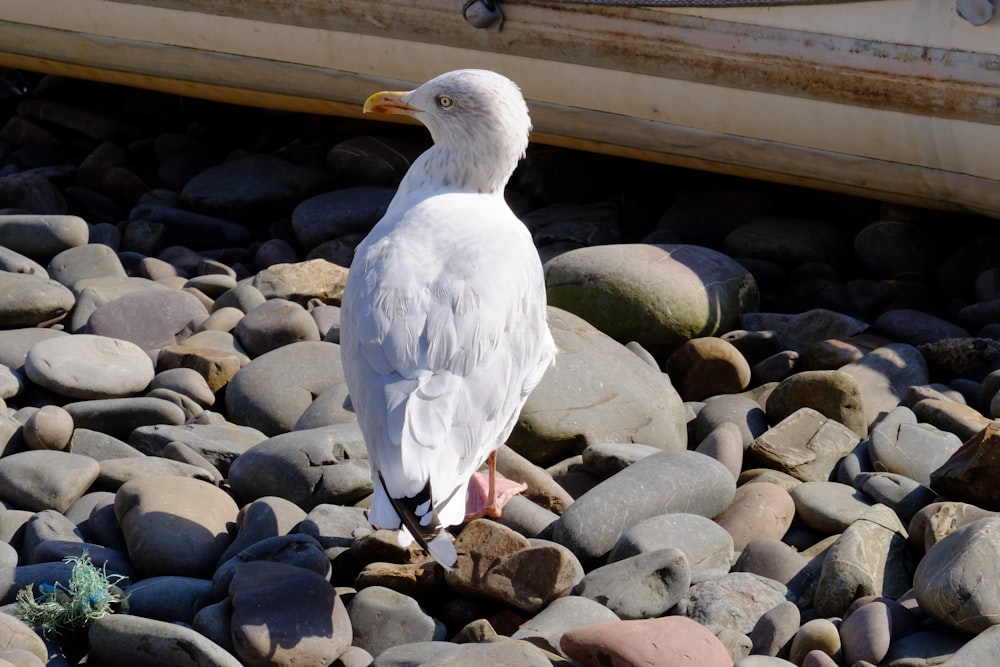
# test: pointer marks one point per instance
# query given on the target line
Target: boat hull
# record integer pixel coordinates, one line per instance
(896, 100)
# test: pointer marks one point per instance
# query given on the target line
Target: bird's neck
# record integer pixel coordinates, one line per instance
(457, 170)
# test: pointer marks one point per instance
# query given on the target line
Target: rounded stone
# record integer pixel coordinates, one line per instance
(819, 634)
(311, 467)
(949, 582)
(657, 642)
(738, 409)
(275, 323)
(735, 600)
(42, 236)
(44, 479)
(93, 260)
(252, 187)
(175, 525)
(546, 628)
(642, 586)
(133, 640)
(758, 510)
(28, 299)
(187, 382)
(89, 367)
(657, 295)
(49, 428)
(833, 394)
(272, 391)
(596, 391)
(334, 214)
(829, 507)
(151, 319)
(707, 366)
(309, 628)
(383, 618)
(669, 481)
(706, 545)
(893, 249)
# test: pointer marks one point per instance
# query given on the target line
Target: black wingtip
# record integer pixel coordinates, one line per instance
(418, 515)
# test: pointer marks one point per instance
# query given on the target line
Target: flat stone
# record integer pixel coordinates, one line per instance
(797, 331)
(220, 444)
(789, 240)
(152, 319)
(89, 367)
(899, 444)
(185, 227)
(916, 327)
(806, 445)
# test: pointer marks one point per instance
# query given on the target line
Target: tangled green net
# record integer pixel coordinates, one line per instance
(91, 594)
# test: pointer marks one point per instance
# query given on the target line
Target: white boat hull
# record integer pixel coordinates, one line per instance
(892, 99)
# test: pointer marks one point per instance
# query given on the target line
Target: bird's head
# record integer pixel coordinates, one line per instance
(470, 111)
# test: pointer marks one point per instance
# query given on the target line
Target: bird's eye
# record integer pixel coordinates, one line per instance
(444, 101)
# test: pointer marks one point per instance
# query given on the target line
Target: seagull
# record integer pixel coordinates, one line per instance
(443, 319)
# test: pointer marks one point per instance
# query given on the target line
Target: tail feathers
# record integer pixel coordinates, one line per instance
(420, 521)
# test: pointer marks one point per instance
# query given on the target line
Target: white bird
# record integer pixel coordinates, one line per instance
(443, 328)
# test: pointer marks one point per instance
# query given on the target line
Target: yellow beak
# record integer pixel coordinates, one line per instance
(389, 102)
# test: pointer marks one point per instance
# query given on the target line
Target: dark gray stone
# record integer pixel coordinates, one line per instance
(670, 481)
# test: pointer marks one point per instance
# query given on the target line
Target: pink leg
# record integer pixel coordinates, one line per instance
(488, 494)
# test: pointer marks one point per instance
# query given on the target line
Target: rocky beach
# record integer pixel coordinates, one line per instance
(768, 437)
